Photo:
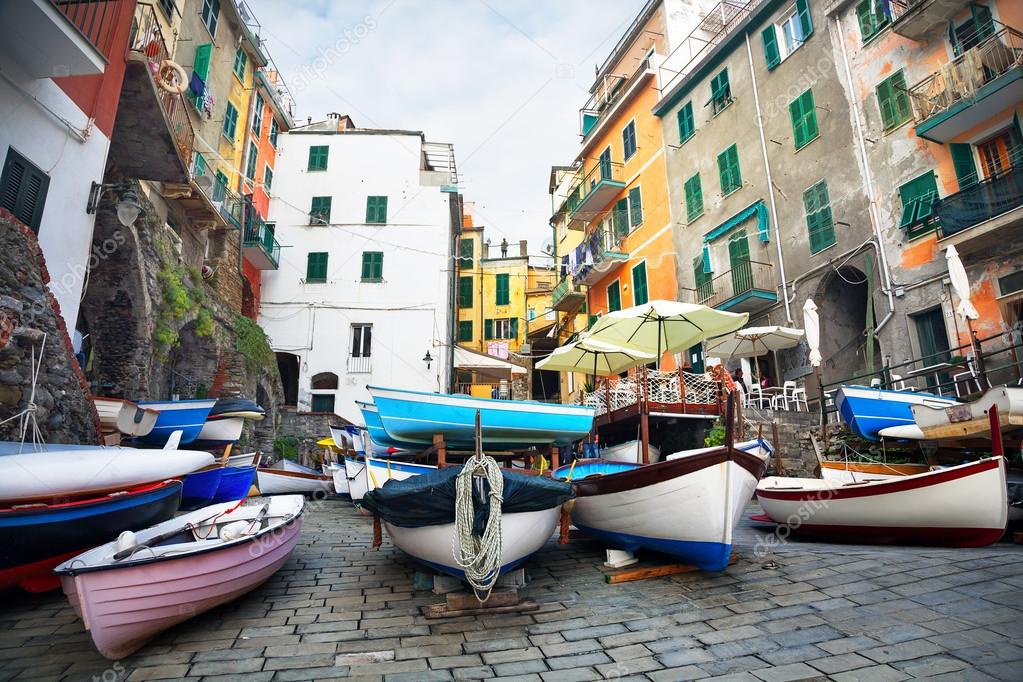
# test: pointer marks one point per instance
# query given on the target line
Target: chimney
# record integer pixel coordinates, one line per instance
(523, 251)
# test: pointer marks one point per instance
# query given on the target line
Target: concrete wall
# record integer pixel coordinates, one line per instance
(409, 310)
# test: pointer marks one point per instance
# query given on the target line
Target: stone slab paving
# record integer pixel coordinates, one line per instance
(789, 611)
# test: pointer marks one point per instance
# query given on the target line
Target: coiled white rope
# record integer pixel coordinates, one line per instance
(479, 557)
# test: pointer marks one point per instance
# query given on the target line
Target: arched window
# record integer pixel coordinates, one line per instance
(324, 381)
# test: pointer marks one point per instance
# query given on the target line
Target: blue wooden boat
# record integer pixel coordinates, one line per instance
(187, 416)
(869, 410)
(375, 429)
(413, 417)
(235, 483)
(200, 487)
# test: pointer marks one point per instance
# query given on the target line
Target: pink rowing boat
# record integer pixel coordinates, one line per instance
(129, 590)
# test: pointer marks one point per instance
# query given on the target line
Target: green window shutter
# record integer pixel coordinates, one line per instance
(513, 322)
(819, 223)
(805, 21)
(629, 140)
(230, 121)
(466, 252)
(804, 119)
(614, 297)
(635, 208)
(983, 23)
(23, 189)
(200, 164)
(720, 91)
(250, 165)
(240, 59)
(319, 213)
(465, 292)
(316, 267)
(318, 157)
(771, 53)
(488, 329)
(918, 197)
(620, 218)
(871, 17)
(962, 161)
(503, 295)
(376, 210)
(372, 266)
(893, 101)
(201, 63)
(465, 330)
(694, 198)
(686, 123)
(640, 292)
(728, 170)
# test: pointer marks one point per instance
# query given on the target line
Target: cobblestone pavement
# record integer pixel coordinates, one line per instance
(803, 611)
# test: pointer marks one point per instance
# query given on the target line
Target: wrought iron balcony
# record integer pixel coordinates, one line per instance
(915, 19)
(568, 296)
(594, 192)
(259, 246)
(973, 87)
(984, 215)
(52, 38)
(748, 287)
(606, 94)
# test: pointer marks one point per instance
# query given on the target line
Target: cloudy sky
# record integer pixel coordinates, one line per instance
(501, 79)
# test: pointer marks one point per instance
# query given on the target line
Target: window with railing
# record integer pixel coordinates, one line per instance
(362, 346)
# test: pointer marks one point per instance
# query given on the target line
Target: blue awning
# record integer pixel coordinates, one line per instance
(758, 209)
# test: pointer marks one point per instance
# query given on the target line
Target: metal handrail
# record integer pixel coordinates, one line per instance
(981, 201)
(961, 78)
(604, 98)
(606, 171)
(742, 277)
(257, 233)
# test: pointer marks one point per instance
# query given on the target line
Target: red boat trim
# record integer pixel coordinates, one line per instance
(24, 507)
(938, 537)
(37, 576)
(651, 474)
(881, 488)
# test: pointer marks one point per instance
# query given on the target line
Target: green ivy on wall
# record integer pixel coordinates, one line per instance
(250, 340)
(182, 292)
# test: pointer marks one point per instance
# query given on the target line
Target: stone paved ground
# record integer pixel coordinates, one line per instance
(803, 611)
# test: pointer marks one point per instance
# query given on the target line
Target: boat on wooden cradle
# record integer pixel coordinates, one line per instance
(369, 473)
(414, 417)
(235, 483)
(36, 537)
(187, 416)
(129, 590)
(630, 451)
(73, 471)
(278, 482)
(418, 514)
(687, 507)
(758, 447)
(124, 416)
(867, 410)
(959, 506)
(970, 420)
(379, 442)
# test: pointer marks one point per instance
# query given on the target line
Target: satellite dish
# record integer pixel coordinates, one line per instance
(204, 182)
(548, 247)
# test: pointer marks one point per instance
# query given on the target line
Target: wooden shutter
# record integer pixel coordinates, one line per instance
(629, 140)
(640, 293)
(614, 297)
(502, 293)
(962, 161)
(805, 21)
(686, 124)
(620, 218)
(513, 323)
(316, 267)
(488, 329)
(804, 119)
(635, 207)
(465, 292)
(466, 252)
(728, 170)
(376, 209)
(465, 330)
(201, 63)
(694, 197)
(23, 189)
(372, 265)
(771, 53)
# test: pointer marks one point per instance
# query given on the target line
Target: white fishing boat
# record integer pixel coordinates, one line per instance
(220, 432)
(125, 416)
(371, 473)
(243, 460)
(970, 420)
(757, 447)
(278, 482)
(857, 472)
(960, 506)
(129, 590)
(61, 471)
(339, 475)
(630, 451)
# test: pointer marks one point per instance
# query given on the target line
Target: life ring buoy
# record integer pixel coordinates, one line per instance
(169, 72)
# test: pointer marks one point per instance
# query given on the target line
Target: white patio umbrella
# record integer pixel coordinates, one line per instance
(665, 326)
(753, 341)
(960, 284)
(591, 356)
(812, 327)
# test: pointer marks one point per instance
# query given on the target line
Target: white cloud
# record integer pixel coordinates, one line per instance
(501, 80)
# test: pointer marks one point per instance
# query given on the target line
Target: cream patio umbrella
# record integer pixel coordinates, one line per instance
(812, 327)
(753, 341)
(960, 284)
(591, 356)
(664, 326)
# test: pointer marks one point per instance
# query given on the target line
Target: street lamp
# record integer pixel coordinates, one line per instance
(428, 359)
(128, 205)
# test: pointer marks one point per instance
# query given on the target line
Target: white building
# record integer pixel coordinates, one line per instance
(367, 221)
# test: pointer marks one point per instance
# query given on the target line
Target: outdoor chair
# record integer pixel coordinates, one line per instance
(756, 397)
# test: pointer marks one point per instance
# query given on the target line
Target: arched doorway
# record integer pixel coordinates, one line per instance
(287, 365)
(843, 301)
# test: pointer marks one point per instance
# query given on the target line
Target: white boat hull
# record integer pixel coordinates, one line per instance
(271, 482)
(221, 431)
(757, 447)
(963, 506)
(242, 460)
(632, 451)
(522, 534)
(125, 416)
(965, 420)
(362, 478)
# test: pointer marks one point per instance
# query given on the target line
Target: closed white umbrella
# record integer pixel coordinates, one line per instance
(753, 341)
(591, 356)
(665, 326)
(960, 284)
(812, 327)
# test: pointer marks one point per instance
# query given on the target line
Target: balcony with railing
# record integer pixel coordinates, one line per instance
(916, 19)
(594, 191)
(750, 286)
(980, 83)
(986, 215)
(259, 245)
(360, 364)
(596, 256)
(153, 138)
(656, 392)
(609, 91)
(568, 296)
(52, 38)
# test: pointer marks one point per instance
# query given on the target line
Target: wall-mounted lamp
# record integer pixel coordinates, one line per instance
(128, 205)
(427, 359)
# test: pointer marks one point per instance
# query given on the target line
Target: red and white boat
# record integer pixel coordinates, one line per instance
(133, 588)
(961, 506)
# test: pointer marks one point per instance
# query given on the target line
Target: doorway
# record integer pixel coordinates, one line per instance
(932, 336)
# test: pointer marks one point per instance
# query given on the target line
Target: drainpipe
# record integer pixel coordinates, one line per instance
(861, 147)
(770, 183)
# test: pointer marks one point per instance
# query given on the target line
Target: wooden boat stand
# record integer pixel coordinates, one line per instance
(650, 570)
